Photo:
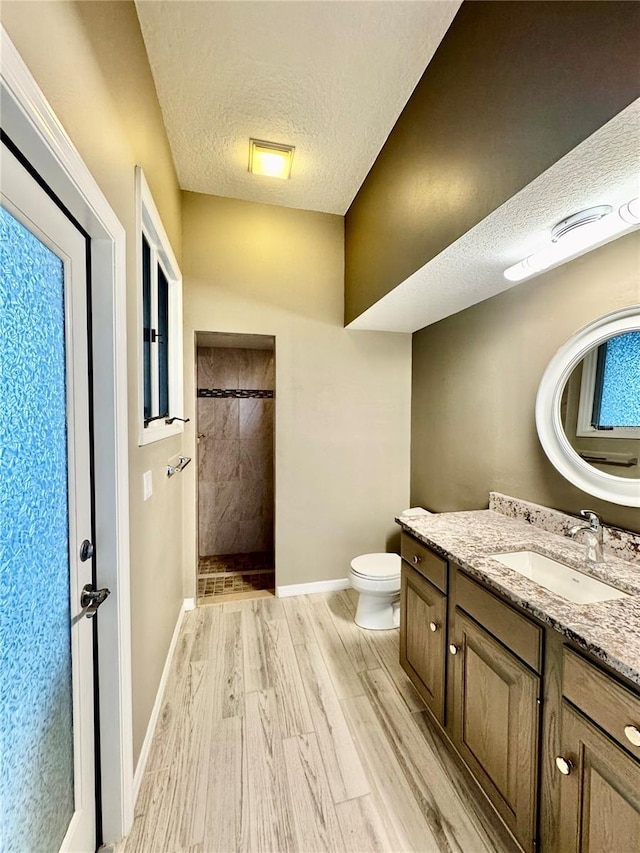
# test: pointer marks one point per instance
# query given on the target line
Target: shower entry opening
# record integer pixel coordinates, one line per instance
(235, 389)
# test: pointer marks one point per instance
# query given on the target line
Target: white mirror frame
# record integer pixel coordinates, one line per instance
(551, 433)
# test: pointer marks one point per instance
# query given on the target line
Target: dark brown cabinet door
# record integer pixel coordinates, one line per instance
(423, 637)
(600, 793)
(494, 722)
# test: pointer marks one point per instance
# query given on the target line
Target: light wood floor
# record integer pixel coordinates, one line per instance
(285, 727)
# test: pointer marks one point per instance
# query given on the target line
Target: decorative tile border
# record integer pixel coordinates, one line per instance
(623, 544)
(242, 393)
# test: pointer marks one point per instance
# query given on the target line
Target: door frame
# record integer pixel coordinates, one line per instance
(30, 122)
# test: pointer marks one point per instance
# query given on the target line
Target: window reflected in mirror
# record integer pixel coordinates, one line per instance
(600, 408)
(616, 401)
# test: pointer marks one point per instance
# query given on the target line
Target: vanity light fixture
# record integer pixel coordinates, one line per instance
(270, 158)
(577, 234)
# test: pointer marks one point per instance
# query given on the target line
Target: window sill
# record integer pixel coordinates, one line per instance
(158, 430)
(623, 433)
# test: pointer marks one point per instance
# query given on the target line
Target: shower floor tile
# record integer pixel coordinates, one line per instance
(232, 574)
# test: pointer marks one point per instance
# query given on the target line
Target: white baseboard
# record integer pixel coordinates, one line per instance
(314, 586)
(187, 604)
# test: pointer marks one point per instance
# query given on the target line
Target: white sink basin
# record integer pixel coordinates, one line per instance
(559, 578)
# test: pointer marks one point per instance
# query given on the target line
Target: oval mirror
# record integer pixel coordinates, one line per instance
(588, 408)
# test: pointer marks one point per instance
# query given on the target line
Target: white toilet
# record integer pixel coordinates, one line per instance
(376, 577)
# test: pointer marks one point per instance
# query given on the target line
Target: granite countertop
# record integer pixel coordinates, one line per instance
(609, 630)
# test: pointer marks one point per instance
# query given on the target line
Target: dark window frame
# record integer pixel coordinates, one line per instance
(159, 344)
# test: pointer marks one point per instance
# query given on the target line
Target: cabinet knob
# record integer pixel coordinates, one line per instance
(416, 559)
(564, 765)
(633, 734)
(453, 649)
(433, 626)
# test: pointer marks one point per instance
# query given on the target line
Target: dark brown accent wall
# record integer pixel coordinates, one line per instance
(513, 87)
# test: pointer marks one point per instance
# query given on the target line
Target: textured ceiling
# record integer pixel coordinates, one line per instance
(330, 78)
(604, 169)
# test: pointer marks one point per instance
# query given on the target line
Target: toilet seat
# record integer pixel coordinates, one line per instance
(379, 567)
(376, 579)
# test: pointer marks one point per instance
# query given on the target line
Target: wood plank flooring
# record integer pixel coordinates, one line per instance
(285, 728)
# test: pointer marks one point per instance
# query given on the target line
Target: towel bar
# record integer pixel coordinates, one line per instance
(183, 461)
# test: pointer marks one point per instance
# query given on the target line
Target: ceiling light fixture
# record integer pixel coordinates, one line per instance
(577, 234)
(270, 159)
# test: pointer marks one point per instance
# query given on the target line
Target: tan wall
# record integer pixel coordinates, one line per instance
(342, 397)
(90, 62)
(475, 379)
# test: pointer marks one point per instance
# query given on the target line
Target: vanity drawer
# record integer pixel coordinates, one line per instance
(423, 560)
(518, 633)
(609, 704)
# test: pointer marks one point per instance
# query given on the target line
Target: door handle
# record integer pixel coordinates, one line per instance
(91, 599)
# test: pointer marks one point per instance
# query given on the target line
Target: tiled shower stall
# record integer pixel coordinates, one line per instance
(235, 388)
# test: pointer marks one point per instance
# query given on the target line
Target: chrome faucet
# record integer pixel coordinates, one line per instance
(593, 529)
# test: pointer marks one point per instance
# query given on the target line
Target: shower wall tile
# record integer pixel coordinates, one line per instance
(256, 459)
(218, 367)
(235, 470)
(205, 416)
(227, 501)
(206, 528)
(205, 366)
(226, 460)
(256, 535)
(226, 418)
(217, 419)
(257, 499)
(205, 460)
(227, 538)
(256, 369)
(256, 418)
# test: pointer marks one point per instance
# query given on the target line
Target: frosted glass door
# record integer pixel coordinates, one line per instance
(45, 645)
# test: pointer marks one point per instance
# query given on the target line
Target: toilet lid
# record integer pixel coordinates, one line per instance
(379, 566)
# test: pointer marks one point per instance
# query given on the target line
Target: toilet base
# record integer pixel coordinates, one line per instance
(378, 612)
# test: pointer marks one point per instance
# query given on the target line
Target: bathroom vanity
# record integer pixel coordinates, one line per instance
(539, 695)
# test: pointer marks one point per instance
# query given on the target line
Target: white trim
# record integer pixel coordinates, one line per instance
(149, 223)
(157, 705)
(619, 490)
(314, 586)
(30, 122)
(69, 838)
(587, 391)
(189, 604)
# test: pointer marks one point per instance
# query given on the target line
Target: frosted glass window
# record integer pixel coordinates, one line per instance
(36, 736)
(617, 397)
